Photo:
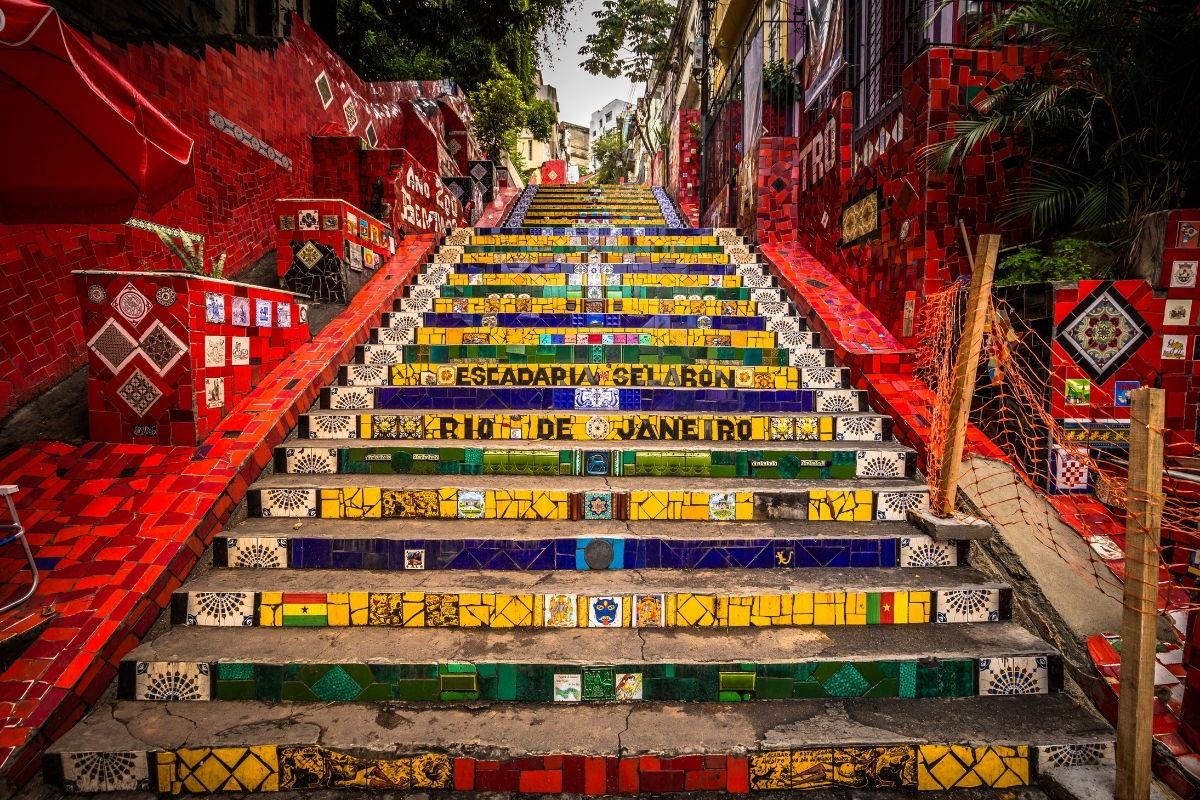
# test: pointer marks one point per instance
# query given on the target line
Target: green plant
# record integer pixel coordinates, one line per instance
(610, 152)
(499, 112)
(1109, 118)
(1067, 260)
(778, 83)
(631, 35)
(190, 252)
(540, 119)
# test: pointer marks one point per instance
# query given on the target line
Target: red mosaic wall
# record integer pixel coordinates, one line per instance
(554, 171)
(917, 249)
(688, 164)
(170, 353)
(271, 94)
(335, 223)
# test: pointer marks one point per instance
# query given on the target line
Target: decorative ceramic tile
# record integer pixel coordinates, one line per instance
(896, 505)
(836, 400)
(288, 502)
(262, 313)
(214, 307)
(649, 611)
(324, 91)
(628, 686)
(332, 426)
(172, 680)
(96, 293)
(245, 137)
(597, 505)
(968, 605)
(311, 460)
(139, 393)
(561, 611)
(1105, 548)
(471, 504)
(309, 220)
(943, 767)
(113, 345)
(214, 351)
(165, 296)
(256, 552)
(1103, 331)
(722, 507)
(1014, 675)
(239, 351)
(1177, 313)
(594, 398)
(1077, 392)
(221, 609)
(1121, 390)
(1174, 348)
(283, 315)
(859, 429)
(605, 611)
(881, 464)
(214, 392)
(1076, 755)
(131, 304)
(1069, 471)
(924, 551)
(161, 347)
(287, 222)
(106, 772)
(350, 114)
(414, 558)
(241, 311)
(568, 688)
(1183, 274)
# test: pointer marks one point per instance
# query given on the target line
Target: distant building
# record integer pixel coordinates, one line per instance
(611, 117)
(574, 145)
(533, 151)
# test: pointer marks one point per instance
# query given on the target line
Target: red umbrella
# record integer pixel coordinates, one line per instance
(80, 143)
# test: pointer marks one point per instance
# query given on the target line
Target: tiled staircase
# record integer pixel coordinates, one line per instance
(592, 513)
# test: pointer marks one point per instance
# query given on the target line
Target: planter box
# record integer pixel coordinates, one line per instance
(170, 352)
(327, 249)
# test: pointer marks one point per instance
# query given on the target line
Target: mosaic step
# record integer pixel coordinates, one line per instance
(611, 292)
(485, 599)
(935, 661)
(550, 320)
(520, 281)
(664, 269)
(408, 329)
(417, 302)
(799, 460)
(594, 398)
(744, 747)
(558, 246)
(589, 354)
(460, 235)
(660, 376)
(597, 426)
(282, 543)
(622, 239)
(583, 256)
(550, 498)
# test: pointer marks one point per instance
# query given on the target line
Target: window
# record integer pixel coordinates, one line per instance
(774, 31)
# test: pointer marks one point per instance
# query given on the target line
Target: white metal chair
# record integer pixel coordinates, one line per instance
(16, 532)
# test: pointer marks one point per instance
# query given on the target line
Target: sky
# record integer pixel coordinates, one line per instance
(579, 94)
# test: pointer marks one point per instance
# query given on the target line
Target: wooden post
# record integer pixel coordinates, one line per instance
(966, 363)
(1144, 506)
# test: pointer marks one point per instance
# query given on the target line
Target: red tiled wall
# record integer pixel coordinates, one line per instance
(688, 164)
(374, 240)
(166, 313)
(270, 93)
(918, 249)
(554, 171)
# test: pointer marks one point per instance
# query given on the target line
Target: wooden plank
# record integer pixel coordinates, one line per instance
(1144, 505)
(966, 364)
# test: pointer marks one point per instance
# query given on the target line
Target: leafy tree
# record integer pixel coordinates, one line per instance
(631, 36)
(541, 120)
(1110, 121)
(469, 41)
(610, 153)
(499, 113)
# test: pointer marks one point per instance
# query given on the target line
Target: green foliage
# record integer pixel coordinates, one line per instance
(1110, 123)
(778, 83)
(1068, 260)
(499, 113)
(469, 41)
(541, 120)
(631, 35)
(190, 252)
(611, 154)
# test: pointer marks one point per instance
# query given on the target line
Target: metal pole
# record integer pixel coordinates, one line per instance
(705, 25)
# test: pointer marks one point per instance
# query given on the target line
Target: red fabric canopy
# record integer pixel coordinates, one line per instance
(79, 144)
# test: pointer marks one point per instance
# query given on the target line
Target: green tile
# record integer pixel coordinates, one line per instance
(417, 689)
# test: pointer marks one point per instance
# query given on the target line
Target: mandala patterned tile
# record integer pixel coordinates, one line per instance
(896, 505)
(882, 463)
(311, 460)
(1096, 754)
(106, 772)
(221, 609)
(1014, 675)
(968, 605)
(172, 680)
(255, 552)
(283, 502)
(924, 551)
(1103, 331)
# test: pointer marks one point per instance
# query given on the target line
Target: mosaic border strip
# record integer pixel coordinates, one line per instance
(583, 553)
(541, 682)
(243, 136)
(271, 768)
(415, 609)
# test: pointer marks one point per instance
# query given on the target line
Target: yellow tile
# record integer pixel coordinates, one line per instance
(695, 611)
(856, 608)
(736, 613)
(358, 608)
(802, 608)
(413, 609)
